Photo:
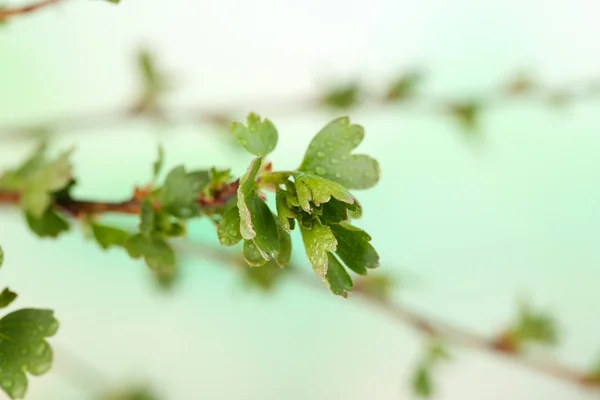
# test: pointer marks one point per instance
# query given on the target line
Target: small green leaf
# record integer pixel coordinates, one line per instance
(107, 236)
(37, 179)
(158, 164)
(156, 251)
(151, 78)
(354, 248)
(6, 297)
(146, 218)
(23, 348)
(318, 190)
(181, 190)
(335, 211)
(50, 224)
(285, 247)
(318, 241)
(329, 156)
(534, 327)
(257, 222)
(284, 212)
(422, 385)
(1, 256)
(259, 137)
(252, 255)
(166, 225)
(342, 97)
(337, 277)
(467, 114)
(219, 177)
(229, 228)
(404, 86)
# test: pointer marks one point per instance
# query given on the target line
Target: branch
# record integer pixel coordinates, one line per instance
(6, 13)
(431, 327)
(464, 110)
(79, 208)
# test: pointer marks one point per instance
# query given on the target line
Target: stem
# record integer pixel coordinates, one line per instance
(431, 327)
(6, 13)
(78, 208)
(222, 115)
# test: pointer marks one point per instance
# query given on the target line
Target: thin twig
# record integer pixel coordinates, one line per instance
(432, 327)
(6, 13)
(78, 208)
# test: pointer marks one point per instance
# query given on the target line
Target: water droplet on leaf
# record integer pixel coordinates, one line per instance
(320, 170)
(320, 154)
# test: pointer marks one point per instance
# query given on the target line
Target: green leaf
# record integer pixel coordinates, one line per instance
(181, 190)
(534, 327)
(354, 248)
(404, 86)
(257, 222)
(155, 250)
(151, 78)
(467, 114)
(259, 137)
(284, 212)
(337, 277)
(50, 224)
(147, 224)
(1, 256)
(23, 348)
(318, 190)
(318, 241)
(219, 177)
(228, 229)
(107, 236)
(37, 178)
(422, 385)
(158, 164)
(285, 247)
(342, 97)
(6, 297)
(329, 156)
(166, 225)
(253, 256)
(335, 211)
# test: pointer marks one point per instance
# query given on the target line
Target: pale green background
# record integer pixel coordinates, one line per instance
(474, 228)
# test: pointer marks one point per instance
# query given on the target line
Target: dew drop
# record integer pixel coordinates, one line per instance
(7, 383)
(320, 170)
(320, 154)
(244, 142)
(252, 128)
(356, 141)
(335, 161)
(329, 143)
(338, 175)
(24, 352)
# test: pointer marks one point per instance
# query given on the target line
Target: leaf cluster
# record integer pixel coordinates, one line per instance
(315, 197)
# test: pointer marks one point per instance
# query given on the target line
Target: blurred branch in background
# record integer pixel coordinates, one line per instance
(529, 328)
(402, 91)
(8, 12)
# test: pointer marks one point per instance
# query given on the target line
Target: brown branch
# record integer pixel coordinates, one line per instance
(431, 327)
(6, 13)
(78, 208)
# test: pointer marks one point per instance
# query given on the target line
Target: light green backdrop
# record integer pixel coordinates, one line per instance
(474, 228)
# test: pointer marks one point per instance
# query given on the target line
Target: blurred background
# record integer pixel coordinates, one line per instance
(469, 226)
